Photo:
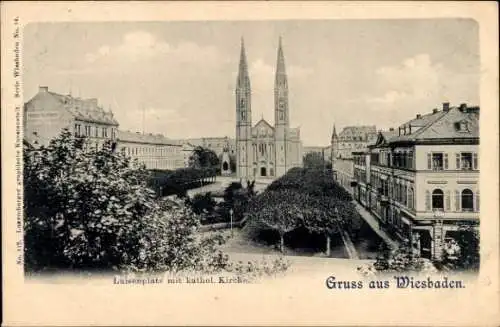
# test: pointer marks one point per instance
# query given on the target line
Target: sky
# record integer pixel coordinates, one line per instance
(181, 76)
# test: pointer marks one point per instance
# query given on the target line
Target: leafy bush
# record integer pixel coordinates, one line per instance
(179, 181)
(88, 209)
(202, 203)
(401, 259)
(467, 242)
(257, 269)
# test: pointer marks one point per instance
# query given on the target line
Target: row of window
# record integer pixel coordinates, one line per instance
(396, 159)
(399, 192)
(435, 160)
(162, 164)
(352, 138)
(261, 150)
(465, 200)
(463, 161)
(94, 131)
(159, 151)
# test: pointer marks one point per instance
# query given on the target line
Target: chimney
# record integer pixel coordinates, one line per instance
(463, 107)
(42, 89)
(419, 116)
(446, 106)
(434, 111)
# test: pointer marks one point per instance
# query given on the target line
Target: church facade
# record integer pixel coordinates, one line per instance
(263, 150)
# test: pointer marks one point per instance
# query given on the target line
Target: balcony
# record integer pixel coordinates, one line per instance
(383, 199)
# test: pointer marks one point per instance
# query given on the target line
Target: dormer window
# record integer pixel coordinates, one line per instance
(462, 126)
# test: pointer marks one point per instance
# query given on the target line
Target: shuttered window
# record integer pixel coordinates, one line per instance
(457, 164)
(427, 200)
(429, 161)
(446, 161)
(475, 163)
(447, 201)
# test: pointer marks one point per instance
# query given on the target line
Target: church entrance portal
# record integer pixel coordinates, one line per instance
(225, 166)
(263, 172)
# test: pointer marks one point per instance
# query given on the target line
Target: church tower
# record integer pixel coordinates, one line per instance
(281, 113)
(243, 118)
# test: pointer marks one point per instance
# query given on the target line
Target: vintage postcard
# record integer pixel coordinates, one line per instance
(250, 163)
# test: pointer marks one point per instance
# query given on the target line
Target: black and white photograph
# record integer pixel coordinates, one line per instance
(239, 152)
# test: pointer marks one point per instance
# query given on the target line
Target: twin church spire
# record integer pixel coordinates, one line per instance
(243, 88)
(243, 80)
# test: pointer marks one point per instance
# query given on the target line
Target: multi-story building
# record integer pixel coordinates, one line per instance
(216, 144)
(323, 151)
(187, 152)
(422, 181)
(48, 113)
(155, 151)
(352, 139)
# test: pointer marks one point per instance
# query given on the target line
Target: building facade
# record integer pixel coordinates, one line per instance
(187, 152)
(352, 139)
(216, 144)
(263, 150)
(323, 151)
(344, 148)
(48, 113)
(422, 181)
(155, 151)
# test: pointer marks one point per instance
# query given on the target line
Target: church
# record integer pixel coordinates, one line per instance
(263, 150)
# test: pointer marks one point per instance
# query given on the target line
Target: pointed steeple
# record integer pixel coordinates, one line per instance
(334, 132)
(243, 80)
(280, 65)
(281, 116)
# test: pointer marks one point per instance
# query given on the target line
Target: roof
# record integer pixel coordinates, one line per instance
(158, 139)
(444, 125)
(358, 130)
(264, 123)
(82, 109)
(85, 109)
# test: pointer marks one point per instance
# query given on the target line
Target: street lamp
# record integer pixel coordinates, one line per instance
(231, 220)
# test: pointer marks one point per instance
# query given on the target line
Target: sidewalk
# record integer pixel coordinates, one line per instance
(374, 224)
(349, 246)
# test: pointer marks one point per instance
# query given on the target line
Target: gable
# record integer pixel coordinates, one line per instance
(262, 128)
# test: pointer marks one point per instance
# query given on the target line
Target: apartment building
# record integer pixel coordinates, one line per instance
(422, 180)
(48, 113)
(155, 151)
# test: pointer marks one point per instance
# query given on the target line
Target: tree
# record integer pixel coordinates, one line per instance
(202, 203)
(466, 256)
(88, 208)
(279, 211)
(315, 160)
(322, 215)
(237, 198)
(204, 158)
